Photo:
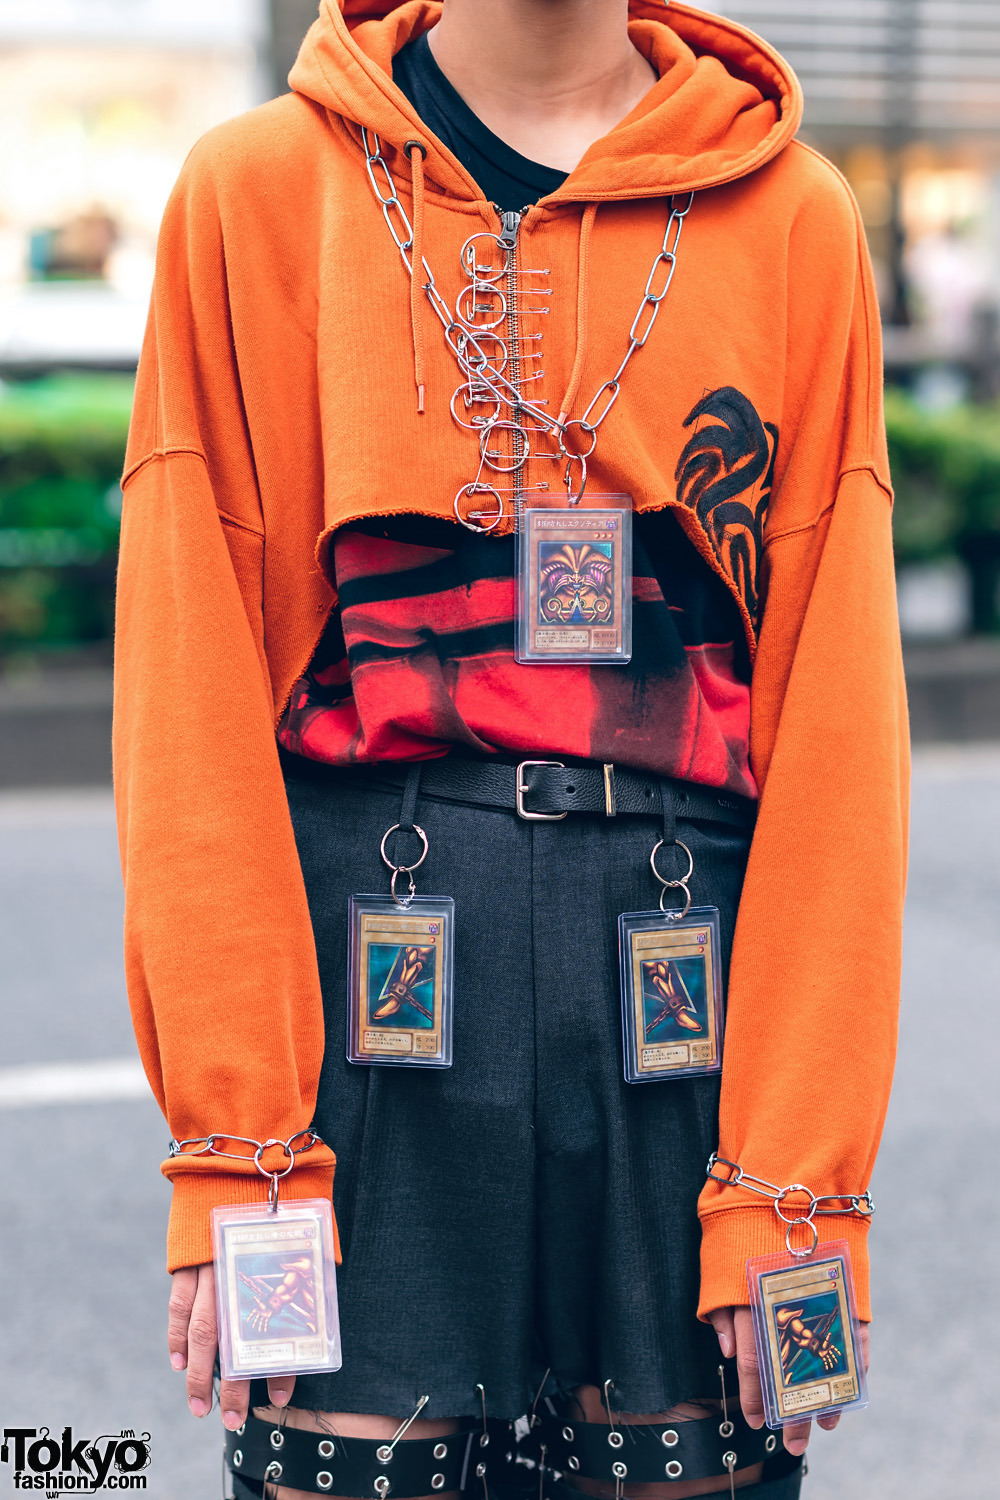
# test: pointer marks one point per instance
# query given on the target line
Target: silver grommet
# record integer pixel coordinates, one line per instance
(480, 1470)
(726, 1429)
(440, 1450)
(573, 1462)
(730, 1460)
(619, 1471)
(669, 1439)
(771, 1444)
(241, 1429)
(382, 1486)
(437, 1482)
(568, 1434)
(273, 1470)
(615, 1439)
(238, 1458)
(326, 1449)
(384, 1454)
(277, 1438)
(674, 1469)
(484, 1440)
(324, 1480)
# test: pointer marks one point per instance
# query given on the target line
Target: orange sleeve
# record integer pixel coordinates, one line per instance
(220, 958)
(814, 985)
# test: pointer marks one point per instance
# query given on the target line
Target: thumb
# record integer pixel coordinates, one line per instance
(725, 1328)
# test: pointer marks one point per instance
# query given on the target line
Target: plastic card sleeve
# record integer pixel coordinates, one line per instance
(276, 1289)
(807, 1334)
(574, 582)
(672, 1001)
(399, 1007)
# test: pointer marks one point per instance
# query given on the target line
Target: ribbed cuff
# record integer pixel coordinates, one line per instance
(196, 1193)
(731, 1236)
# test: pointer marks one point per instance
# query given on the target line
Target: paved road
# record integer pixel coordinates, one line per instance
(83, 1207)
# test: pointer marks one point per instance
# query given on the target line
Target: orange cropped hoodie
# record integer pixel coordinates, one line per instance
(277, 400)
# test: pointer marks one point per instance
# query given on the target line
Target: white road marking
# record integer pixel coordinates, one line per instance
(73, 1083)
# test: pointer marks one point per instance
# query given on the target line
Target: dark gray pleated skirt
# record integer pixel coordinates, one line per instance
(527, 1209)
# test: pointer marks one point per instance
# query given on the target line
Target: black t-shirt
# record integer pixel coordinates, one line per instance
(507, 179)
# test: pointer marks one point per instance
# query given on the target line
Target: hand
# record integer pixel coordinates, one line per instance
(734, 1327)
(192, 1338)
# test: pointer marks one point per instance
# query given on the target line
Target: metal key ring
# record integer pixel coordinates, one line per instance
(477, 488)
(800, 1218)
(675, 916)
(684, 878)
(801, 1254)
(475, 272)
(584, 427)
(403, 869)
(403, 901)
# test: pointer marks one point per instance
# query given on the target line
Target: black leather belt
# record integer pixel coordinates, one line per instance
(541, 790)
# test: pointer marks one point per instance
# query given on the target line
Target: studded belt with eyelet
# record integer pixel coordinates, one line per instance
(703, 1449)
(322, 1463)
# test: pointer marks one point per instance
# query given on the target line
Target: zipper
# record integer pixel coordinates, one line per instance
(510, 223)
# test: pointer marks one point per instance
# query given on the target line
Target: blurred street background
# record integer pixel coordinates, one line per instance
(100, 100)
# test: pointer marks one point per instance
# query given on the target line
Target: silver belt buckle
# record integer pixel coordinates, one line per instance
(521, 788)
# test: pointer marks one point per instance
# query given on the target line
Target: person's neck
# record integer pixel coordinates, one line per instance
(549, 77)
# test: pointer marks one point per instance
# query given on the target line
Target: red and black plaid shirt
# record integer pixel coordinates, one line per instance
(419, 656)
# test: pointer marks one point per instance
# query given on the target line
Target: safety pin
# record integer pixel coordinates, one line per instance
(484, 1438)
(384, 1454)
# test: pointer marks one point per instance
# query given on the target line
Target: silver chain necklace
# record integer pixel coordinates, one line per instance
(483, 373)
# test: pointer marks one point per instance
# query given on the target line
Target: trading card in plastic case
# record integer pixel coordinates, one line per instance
(672, 1004)
(807, 1334)
(399, 1008)
(574, 582)
(276, 1289)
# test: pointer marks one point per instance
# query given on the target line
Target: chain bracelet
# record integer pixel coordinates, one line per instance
(207, 1147)
(862, 1204)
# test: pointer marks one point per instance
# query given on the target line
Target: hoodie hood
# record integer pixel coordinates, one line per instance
(725, 103)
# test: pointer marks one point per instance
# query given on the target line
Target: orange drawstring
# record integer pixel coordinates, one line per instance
(416, 152)
(582, 291)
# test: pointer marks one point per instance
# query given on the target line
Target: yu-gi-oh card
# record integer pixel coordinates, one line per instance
(399, 996)
(807, 1334)
(575, 582)
(672, 1006)
(276, 1289)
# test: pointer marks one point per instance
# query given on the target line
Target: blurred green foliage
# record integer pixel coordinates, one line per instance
(62, 441)
(946, 473)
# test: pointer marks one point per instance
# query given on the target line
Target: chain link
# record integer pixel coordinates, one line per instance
(207, 1147)
(857, 1203)
(461, 335)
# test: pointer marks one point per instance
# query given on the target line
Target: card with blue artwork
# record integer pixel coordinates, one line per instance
(672, 1006)
(807, 1334)
(276, 1288)
(400, 977)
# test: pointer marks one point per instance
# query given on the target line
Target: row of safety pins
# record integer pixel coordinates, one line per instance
(615, 1438)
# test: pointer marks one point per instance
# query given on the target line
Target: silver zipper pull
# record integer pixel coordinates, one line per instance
(511, 223)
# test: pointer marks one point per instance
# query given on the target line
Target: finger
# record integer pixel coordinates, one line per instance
(751, 1395)
(796, 1438)
(280, 1388)
(866, 1344)
(182, 1289)
(722, 1321)
(234, 1400)
(202, 1343)
(828, 1423)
